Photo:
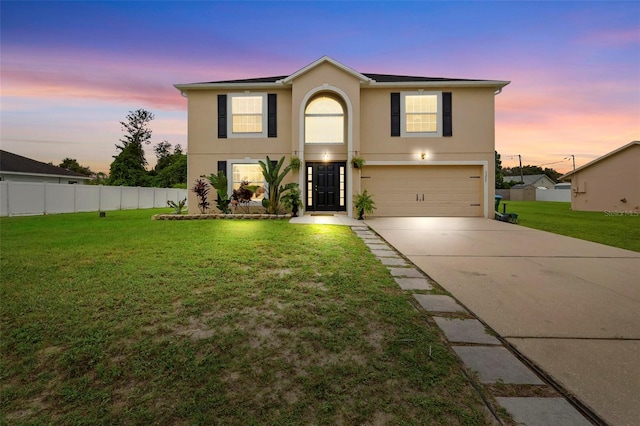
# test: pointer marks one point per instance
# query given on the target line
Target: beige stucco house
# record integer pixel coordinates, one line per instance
(537, 181)
(428, 142)
(610, 183)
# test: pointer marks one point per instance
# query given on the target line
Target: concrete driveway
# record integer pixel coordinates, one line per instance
(570, 306)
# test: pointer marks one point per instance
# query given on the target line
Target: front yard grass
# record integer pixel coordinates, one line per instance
(125, 320)
(618, 230)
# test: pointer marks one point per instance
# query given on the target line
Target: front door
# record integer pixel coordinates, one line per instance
(326, 187)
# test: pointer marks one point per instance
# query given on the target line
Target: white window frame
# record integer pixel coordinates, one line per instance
(403, 115)
(230, 133)
(230, 164)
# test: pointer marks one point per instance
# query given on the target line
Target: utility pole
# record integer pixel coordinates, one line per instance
(520, 159)
(573, 157)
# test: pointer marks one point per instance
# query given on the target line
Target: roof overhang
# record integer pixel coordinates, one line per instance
(494, 84)
(2, 172)
(364, 81)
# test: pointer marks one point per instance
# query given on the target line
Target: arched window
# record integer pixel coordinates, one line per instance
(324, 121)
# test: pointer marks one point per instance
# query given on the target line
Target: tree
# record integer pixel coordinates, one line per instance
(171, 168)
(532, 170)
(73, 165)
(128, 167)
(498, 172)
(99, 178)
(553, 174)
(172, 175)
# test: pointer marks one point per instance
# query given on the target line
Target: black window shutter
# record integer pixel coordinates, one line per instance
(447, 116)
(222, 116)
(395, 114)
(222, 165)
(272, 117)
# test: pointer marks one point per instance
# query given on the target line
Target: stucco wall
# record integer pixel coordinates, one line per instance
(367, 129)
(205, 149)
(604, 185)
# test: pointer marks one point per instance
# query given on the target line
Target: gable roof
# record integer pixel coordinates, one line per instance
(373, 80)
(597, 160)
(325, 59)
(17, 164)
(528, 179)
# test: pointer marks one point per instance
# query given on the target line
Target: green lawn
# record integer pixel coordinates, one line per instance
(606, 228)
(125, 320)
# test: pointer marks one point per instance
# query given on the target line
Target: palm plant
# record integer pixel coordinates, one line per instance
(177, 207)
(273, 177)
(219, 183)
(364, 204)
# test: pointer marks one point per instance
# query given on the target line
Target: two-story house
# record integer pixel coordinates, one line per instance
(428, 142)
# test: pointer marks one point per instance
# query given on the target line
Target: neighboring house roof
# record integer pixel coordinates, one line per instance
(597, 160)
(374, 80)
(527, 179)
(16, 164)
(522, 186)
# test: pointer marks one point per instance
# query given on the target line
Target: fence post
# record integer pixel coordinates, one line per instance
(45, 197)
(75, 198)
(8, 202)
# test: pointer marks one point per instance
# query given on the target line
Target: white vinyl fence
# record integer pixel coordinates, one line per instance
(553, 195)
(35, 198)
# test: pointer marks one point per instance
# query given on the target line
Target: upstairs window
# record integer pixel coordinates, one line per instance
(420, 114)
(248, 115)
(324, 121)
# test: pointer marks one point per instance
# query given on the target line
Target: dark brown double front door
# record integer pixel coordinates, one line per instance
(326, 186)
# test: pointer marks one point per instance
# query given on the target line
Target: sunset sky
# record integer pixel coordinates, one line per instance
(71, 71)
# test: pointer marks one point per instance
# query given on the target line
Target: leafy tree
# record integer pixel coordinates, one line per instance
(99, 178)
(498, 172)
(173, 175)
(128, 167)
(553, 174)
(171, 168)
(532, 170)
(73, 165)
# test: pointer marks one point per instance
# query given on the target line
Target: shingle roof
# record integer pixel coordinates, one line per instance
(375, 80)
(10, 162)
(380, 78)
(248, 80)
(390, 78)
(528, 179)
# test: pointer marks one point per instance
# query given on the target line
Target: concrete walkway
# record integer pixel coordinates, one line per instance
(326, 219)
(569, 306)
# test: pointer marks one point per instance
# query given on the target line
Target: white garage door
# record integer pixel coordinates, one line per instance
(425, 190)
